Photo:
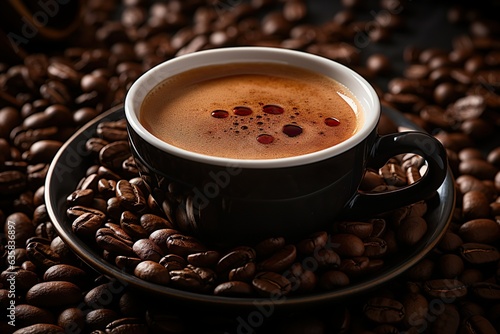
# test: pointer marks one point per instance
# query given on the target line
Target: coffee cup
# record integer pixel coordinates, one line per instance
(225, 199)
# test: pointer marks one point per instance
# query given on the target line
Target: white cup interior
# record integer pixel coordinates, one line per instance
(360, 88)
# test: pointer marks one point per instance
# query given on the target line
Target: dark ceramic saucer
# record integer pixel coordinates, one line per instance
(69, 167)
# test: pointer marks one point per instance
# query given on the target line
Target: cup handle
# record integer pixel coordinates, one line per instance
(385, 147)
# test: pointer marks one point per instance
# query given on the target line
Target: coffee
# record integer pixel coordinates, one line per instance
(251, 111)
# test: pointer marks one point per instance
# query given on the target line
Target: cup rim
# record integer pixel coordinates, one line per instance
(368, 100)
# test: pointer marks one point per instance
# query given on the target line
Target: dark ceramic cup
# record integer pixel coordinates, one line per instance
(230, 201)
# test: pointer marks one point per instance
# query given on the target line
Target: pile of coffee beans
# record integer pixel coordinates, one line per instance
(113, 209)
(453, 94)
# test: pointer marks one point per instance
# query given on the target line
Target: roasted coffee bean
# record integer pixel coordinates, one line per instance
(127, 325)
(112, 131)
(40, 215)
(280, 260)
(327, 258)
(55, 92)
(416, 307)
(374, 247)
(243, 273)
(24, 138)
(384, 310)
(152, 272)
(130, 196)
(113, 154)
(450, 265)
(412, 175)
(360, 229)
(470, 276)
(53, 294)
(42, 255)
(480, 231)
(54, 115)
(39, 239)
(24, 279)
(494, 157)
(159, 237)
(103, 295)
(301, 279)
(67, 273)
(347, 245)
(186, 279)
(468, 183)
(64, 73)
(129, 167)
(454, 141)
(234, 289)
(147, 250)
(340, 52)
(173, 262)
(236, 258)
(84, 115)
(40, 328)
(478, 168)
(78, 210)
(119, 232)
(63, 250)
(208, 277)
(393, 174)
(312, 243)
(129, 222)
(81, 197)
(411, 230)
(95, 145)
(354, 266)
(71, 318)
(372, 179)
(477, 324)
(151, 222)
(27, 315)
(110, 241)
(333, 279)
(445, 288)
(379, 64)
(204, 259)
(268, 246)
(29, 266)
(20, 226)
(184, 245)
(93, 83)
(447, 321)
(270, 284)
(97, 320)
(87, 225)
(486, 290)
(12, 182)
(106, 188)
(475, 205)
(105, 172)
(127, 263)
(10, 119)
(90, 182)
(114, 209)
(478, 253)
(294, 11)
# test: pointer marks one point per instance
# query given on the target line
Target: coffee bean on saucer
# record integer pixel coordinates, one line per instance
(269, 284)
(233, 289)
(152, 272)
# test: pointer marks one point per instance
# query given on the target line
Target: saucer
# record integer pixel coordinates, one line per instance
(71, 162)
